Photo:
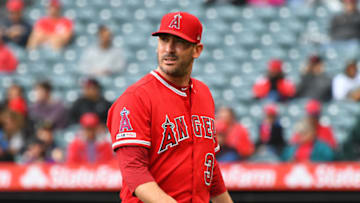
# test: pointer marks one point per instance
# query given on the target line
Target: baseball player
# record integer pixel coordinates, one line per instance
(162, 127)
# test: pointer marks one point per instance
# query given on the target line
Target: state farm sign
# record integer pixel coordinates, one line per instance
(292, 176)
(237, 176)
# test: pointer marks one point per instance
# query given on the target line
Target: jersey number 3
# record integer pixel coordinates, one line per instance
(209, 168)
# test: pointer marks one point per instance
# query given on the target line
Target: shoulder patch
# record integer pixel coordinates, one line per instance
(125, 124)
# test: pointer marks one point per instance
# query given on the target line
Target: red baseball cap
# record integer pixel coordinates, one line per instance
(181, 24)
(18, 105)
(271, 109)
(314, 59)
(89, 120)
(15, 5)
(275, 65)
(313, 107)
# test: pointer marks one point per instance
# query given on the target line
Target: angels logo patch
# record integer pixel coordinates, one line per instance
(125, 125)
(125, 121)
(175, 23)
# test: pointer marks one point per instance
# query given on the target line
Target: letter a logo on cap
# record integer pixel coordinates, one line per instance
(175, 23)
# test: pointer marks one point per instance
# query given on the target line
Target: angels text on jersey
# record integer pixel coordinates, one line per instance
(174, 130)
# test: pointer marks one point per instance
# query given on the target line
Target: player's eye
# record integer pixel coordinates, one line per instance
(164, 38)
(180, 41)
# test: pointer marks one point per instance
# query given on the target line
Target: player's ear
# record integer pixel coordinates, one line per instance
(197, 50)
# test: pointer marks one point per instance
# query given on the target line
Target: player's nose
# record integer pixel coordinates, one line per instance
(170, 46)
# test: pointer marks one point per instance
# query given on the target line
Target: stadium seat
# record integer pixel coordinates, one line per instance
(85, 15)
(303, 13)
(216, 26)
(237, 53)
(266, 13)
(255, 25)
(248, 39)
(228, 13)
(211, 39)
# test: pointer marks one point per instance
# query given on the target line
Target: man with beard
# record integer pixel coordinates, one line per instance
(162, 127)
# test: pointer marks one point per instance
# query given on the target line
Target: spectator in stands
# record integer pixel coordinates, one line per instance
(234, 2)
(347, 84)
(18, 105)
(92, 100)
(34, 152)
(8, 61)
(44, 147)
(351, 148)
(13, 92)
(226, 153)
(274, 87)
(346, 26)
(276, 3)
(16, 102)
(5, 154)
(89, 146)
(103, 58)
(47, 109)
(270, 142)
(14, 137)
(53, 30)
(324, 133)
(235, 135)
(315, 83)
(15, 29)
(309, 147)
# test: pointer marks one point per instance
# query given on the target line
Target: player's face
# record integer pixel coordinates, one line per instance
(176, 55)
(53, 11)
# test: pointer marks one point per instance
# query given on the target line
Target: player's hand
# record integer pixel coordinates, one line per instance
(151, 193)
(169, 199)
(222, 198)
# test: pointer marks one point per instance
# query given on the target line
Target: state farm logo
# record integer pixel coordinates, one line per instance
(241, 177)
(34, 177)
(331, 176)
(299, 176)
(5, 178)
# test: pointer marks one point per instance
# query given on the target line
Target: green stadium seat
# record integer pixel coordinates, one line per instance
(248, 13)
(85, 15)
(303, 13)
(228, 13)
(284, 38)
(255, 25)
(248, 39)
(237, 53)
(121, 15)
(266, 13)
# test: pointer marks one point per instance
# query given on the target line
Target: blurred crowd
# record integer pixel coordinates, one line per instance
(29, 130)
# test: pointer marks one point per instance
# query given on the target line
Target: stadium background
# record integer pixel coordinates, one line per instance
(239, 41)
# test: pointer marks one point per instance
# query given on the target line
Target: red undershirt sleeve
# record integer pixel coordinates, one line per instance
(134, 163)
(218, 185)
